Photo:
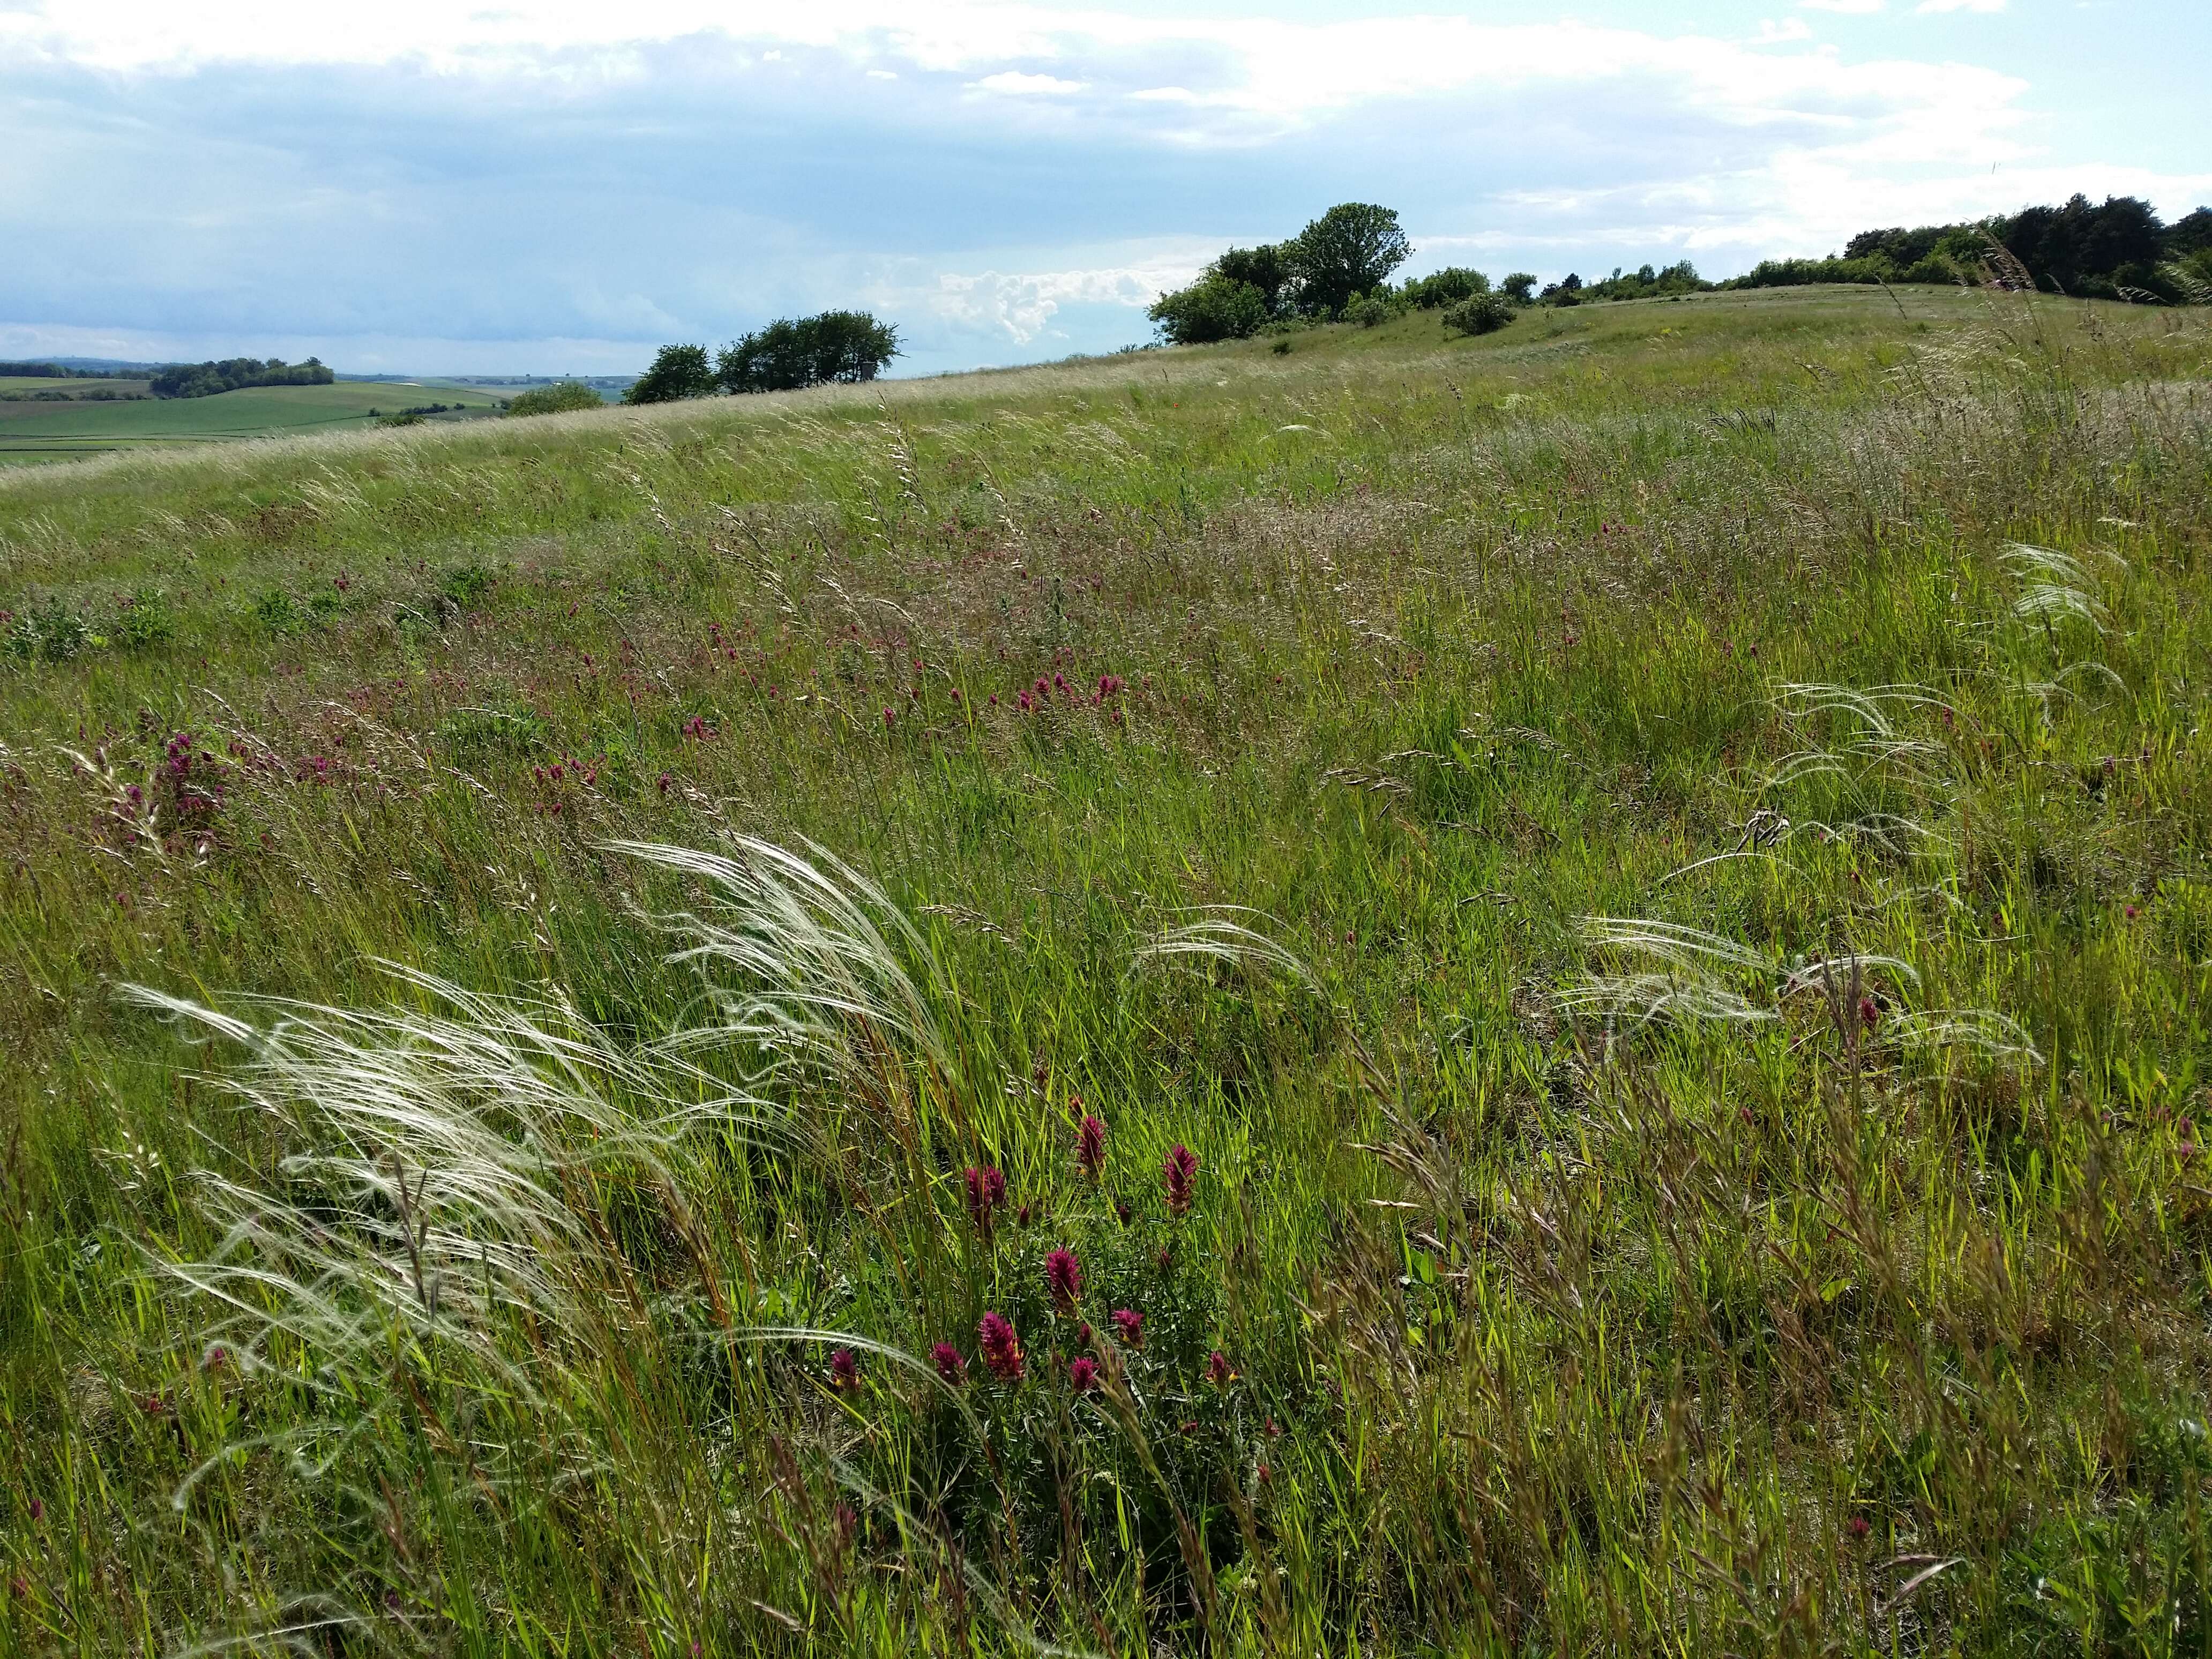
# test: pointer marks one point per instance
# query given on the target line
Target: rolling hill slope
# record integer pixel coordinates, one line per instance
(1540, 994)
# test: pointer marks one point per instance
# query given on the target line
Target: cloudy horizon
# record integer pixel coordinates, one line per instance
(552, 187)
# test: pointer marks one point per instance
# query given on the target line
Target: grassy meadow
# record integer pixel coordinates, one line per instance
(35, 432)
(1628, 900)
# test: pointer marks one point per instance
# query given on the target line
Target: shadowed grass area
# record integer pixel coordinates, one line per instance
(1654, 859)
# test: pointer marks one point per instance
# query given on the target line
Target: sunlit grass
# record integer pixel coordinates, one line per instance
(1654, 860)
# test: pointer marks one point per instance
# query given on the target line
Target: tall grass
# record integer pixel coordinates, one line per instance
(1651, 866)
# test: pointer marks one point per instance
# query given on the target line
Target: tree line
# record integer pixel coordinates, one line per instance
(787, 355)
(233, 374)
(52, 372)
(1338, 270)
(2118, 249)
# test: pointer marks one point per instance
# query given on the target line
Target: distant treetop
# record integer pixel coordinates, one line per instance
(786, 355)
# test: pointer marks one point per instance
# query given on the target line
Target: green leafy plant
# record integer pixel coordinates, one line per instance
(1486, 313)
(562, 397)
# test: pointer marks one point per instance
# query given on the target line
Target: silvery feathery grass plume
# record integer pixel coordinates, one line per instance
(1218, 936)
(1682, 974)
(1877, 741)
(800, 968)
(2054, 587)
(443, 1180)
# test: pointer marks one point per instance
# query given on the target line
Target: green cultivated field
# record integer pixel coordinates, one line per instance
(1629, 898)
(50, 431)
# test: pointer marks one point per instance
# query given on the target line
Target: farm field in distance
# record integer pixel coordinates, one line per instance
(32, 432)
(1357, 991)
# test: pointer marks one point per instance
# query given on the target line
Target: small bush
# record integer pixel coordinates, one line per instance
(53, 633)
(1210, 309)
(1369, 310)
(143, 621)
(1447, 287)
(1486, 313)
(563, 398)
(463, 584)
(278, 613)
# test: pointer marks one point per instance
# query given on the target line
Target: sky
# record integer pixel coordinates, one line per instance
(551, 186)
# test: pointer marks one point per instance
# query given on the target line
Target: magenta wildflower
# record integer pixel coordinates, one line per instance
(1090, 1146)
(1063, 1276)
(1002, 1352)
(1218, 1370)
(1082, 1376)
(1129, 1324)
(1859, 1529)
(1181, 1174)
(889, 718)
(986, 1191)
(949, 1366)
(1868, 1012)
(845, 1371)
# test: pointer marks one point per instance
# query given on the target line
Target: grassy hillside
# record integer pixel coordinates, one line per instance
(48, 431)
(1654, 860)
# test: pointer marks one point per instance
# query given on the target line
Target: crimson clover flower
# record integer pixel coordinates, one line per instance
(1063, 1276)
(1090, 1146)
(949, 1366)
(1002, 1351)
(1180, 1174)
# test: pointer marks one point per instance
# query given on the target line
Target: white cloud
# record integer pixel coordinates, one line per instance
(1019, 308)
(1278, 74)
(1013, 83)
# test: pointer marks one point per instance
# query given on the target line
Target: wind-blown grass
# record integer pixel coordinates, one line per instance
(1627, 901)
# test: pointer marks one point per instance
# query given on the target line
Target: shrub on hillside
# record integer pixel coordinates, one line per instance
(1447, 287)
(1367, 310)
(560, 398)
(678, 372)
(1348, 253)
(1484, 314)
(1214, 308)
